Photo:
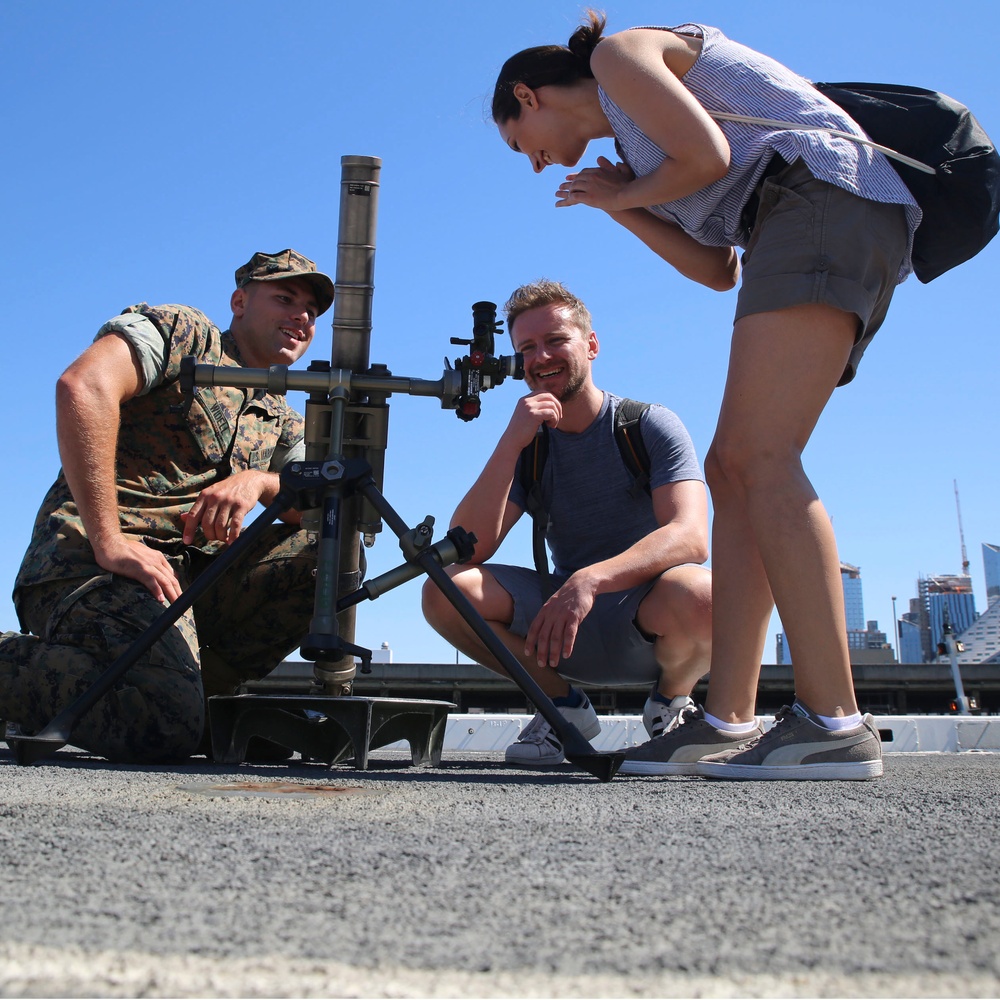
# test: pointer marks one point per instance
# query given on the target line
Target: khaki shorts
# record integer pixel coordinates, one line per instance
(813, 242)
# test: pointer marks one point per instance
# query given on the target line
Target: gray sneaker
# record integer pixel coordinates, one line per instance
(680, 748)
(800, 747)
(539, 746)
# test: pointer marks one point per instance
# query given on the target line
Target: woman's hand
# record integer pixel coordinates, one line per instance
(598, 187)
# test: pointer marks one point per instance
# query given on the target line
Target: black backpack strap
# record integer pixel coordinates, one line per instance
(628, 437)
(531, 465)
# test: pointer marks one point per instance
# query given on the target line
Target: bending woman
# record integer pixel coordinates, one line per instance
(826, 226)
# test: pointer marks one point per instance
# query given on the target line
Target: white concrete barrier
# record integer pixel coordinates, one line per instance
(900, 733)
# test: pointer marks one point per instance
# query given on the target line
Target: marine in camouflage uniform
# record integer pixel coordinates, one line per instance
(169, 450)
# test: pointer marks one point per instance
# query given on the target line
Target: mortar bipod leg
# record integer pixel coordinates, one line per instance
(602, 765)
(56, 734)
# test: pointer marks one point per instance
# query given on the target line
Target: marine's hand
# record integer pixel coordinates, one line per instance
(130, 558)
(552, 635)
(220, 508)
(598, 187)
(531, 412)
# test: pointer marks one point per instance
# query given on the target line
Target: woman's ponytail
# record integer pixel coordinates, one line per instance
(547, 65)
(584, 40)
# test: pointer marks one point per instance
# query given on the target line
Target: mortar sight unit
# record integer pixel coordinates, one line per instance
(479, 369)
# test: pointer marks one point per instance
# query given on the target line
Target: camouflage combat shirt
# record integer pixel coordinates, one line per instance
(169, 447)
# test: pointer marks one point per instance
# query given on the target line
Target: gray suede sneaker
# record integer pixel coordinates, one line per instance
(799, 747)
(680, 748)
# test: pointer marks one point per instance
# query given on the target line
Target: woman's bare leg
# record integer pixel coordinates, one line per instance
(771, 535)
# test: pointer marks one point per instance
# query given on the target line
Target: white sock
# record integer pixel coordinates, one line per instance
(835, 724)
(736, 728)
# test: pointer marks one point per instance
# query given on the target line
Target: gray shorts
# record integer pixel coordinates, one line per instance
(813, 242)
(609, 647)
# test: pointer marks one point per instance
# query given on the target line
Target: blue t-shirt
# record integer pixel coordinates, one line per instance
(595, 510)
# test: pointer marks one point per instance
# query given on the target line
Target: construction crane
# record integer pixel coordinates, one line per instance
(961, 532)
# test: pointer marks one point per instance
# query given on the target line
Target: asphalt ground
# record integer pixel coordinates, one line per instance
(472, 879)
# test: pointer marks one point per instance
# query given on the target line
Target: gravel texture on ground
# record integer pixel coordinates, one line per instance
(472, 879)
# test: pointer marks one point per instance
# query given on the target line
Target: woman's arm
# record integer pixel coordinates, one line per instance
(640, 71)
(716, 267)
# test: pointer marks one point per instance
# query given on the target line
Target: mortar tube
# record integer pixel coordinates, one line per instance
(354, 284)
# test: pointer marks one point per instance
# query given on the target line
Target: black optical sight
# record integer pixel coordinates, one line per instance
(479, 369)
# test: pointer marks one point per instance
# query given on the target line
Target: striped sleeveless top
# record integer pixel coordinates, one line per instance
(730, 77)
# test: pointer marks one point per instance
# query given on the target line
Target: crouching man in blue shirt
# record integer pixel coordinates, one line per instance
(626, 601)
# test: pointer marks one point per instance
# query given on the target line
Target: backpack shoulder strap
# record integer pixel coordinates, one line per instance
(628, 437)
(532, 463)
(725, 116)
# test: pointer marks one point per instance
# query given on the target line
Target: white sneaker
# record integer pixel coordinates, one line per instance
(659, 718)
(539, 746)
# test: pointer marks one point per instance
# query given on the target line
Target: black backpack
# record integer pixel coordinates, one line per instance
(631, 447)
(961, 199)
(940, 152)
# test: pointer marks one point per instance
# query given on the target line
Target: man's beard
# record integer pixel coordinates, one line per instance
(576, 380)
(573, 387)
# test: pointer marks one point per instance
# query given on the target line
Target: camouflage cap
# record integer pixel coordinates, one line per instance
(287, 264)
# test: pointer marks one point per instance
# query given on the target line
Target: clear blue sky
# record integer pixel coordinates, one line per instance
(150, 148)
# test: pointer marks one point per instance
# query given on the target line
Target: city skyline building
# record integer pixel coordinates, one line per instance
(947, 597)
(991, 570)
(781, 655)
(870, 637)
(865, 645)
(920, 631)
(865, 641)
(854, 604)
(980, 643)
(910, 646)
(869, 645)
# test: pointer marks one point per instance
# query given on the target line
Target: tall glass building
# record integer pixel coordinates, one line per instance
(859, 632)
(946, 598)
(991, 569)
(854, 605)
(910, 650)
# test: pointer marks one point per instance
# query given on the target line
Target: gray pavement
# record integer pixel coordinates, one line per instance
(474, 880)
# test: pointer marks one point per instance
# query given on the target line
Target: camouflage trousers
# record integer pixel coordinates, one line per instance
(252, 617)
